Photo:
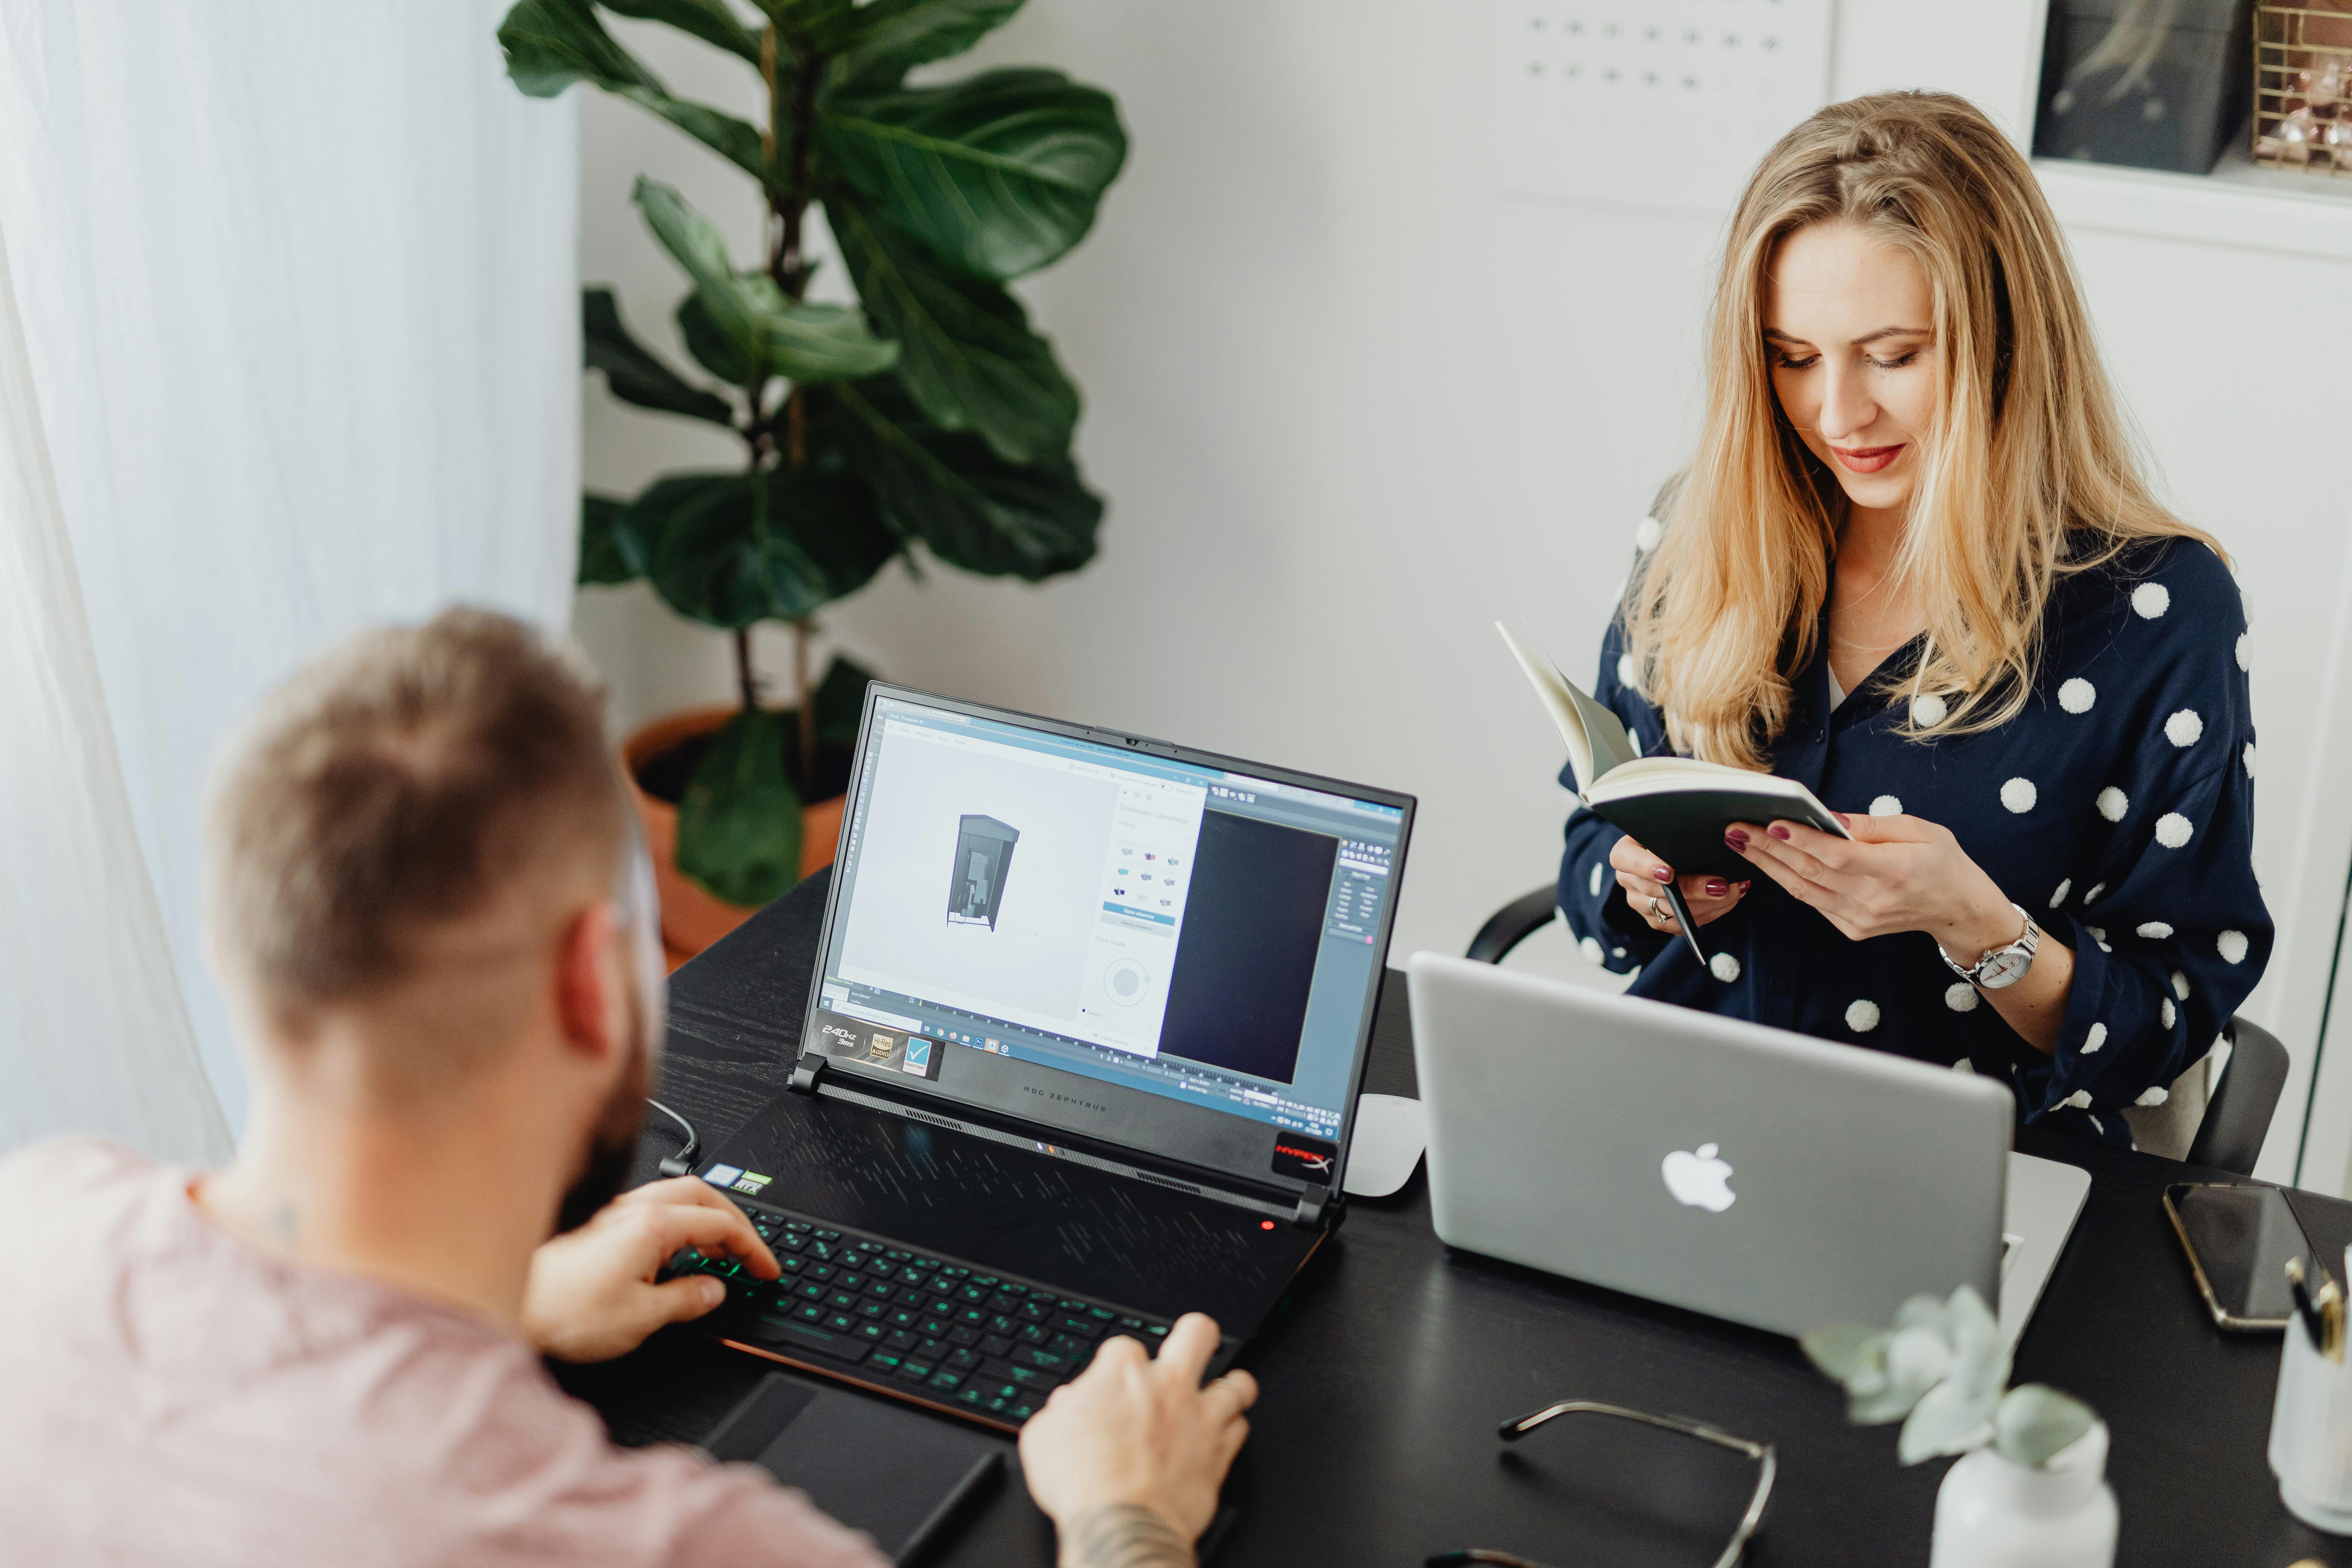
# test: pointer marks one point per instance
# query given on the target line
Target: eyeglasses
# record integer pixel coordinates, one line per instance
(1767, 1464)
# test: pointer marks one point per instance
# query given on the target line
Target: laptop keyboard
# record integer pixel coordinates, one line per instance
(861, 1307)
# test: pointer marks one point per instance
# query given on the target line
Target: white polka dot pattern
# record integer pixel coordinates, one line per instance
(1646, 534)
(2180, 985)
(1965, 1066)
(2066, 886)
(2169, 1013)
(2093, 1037)
(2097, 934)
(2232, 946)
(1599, 869)
(2172, 830)
(2154, 931)
(1590, 948)
(2079, 1101)
(1962, 997)
(1886, 805)
(1861, 1015)
(2153, 1096)
(1627, 671)
(2183, 728)
(2243, 661)
(1616, 952)
(2113, 802)
(2151, 599)
(2250, 758)
(2077, 695)
(1724, 967)
(2018, 796)
(2092, 896)
(1928, 711)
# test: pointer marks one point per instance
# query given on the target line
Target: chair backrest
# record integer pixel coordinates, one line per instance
(2238, 1117)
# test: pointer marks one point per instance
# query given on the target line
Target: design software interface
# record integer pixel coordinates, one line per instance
(1195, 933)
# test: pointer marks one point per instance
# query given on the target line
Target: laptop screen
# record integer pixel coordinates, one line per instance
(1111, 936)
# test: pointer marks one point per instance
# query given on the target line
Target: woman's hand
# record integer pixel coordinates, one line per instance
(1644, 878)
(1896, 874)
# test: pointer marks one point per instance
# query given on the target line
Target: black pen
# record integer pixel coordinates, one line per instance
(1683, 919)
(2302, 1306)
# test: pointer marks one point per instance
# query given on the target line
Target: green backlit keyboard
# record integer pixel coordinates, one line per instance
(864, 1309)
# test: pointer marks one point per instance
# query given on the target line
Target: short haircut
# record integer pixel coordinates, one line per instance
(398, 784)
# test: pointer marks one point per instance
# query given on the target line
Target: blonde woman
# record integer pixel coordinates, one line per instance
(1914, 565)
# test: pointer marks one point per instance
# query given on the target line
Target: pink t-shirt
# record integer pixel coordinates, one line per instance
(169, 1394)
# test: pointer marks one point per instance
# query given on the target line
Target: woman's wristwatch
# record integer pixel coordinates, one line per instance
(2000, 966)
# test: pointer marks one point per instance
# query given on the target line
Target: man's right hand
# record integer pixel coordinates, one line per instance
(1644, 878)
(1127, 1460)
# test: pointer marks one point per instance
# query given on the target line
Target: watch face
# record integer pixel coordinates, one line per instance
(2003, 968)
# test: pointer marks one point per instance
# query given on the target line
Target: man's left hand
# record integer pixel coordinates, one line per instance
(592, 1293)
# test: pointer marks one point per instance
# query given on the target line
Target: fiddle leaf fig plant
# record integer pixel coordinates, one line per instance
(1941, 1370)
(926, 419)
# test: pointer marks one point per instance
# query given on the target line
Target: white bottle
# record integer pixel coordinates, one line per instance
(1992, 1512)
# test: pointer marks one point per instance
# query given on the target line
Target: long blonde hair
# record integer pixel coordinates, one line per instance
(2027, 475)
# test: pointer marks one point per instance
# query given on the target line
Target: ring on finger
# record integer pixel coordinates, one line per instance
(1659, 912)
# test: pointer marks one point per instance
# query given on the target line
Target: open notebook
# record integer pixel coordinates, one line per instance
(1675, 807)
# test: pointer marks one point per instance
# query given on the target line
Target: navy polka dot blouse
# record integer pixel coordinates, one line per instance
(2119, 808)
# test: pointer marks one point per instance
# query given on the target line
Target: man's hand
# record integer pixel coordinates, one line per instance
(592, 1294)
(1127, 1460)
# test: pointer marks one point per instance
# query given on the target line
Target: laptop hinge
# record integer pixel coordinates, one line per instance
(805, 1072)
(1311, 1204)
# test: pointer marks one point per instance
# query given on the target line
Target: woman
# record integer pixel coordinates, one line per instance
(1913, 564)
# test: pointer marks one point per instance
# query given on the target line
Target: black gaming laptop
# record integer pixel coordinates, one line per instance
(1081, 1054)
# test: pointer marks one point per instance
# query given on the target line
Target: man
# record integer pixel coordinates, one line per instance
(330, 1350)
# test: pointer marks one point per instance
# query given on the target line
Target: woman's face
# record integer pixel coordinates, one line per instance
(1849, 333)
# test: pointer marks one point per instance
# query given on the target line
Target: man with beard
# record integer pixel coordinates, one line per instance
(429, 909)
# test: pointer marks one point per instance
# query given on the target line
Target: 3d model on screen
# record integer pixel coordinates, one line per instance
(983, 854)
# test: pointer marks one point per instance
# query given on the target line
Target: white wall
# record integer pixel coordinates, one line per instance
(1349, 406)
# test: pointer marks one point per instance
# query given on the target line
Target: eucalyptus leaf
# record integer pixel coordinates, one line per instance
(631, 370)
(712, 21)
(997, 174)
(1950, 1418)
(738, 824)
(609, 548)
(972, 509)
(551, 44)
(968, 356)
(882, 40)
(2034, 1421)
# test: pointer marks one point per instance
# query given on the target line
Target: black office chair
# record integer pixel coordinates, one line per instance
(2237, 1116)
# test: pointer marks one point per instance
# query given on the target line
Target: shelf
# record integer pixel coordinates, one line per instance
(2239, 205)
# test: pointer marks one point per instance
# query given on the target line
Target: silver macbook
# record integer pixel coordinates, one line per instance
(1747, 1172)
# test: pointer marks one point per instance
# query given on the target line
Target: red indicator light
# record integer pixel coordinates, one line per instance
(1265, 1225)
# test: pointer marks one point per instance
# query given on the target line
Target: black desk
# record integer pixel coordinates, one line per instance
(1387, 1370)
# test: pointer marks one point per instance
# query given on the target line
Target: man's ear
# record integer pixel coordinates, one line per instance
(590, 1007)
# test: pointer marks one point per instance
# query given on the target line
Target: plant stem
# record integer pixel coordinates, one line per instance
(746, 685)
(802, 630)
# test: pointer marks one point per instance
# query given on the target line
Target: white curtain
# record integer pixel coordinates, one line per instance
(298, 287)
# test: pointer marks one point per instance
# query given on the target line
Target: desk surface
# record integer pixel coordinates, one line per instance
(1387, 1370)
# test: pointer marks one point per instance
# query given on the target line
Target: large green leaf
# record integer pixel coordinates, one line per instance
(731, 549)
(969, 356)
(841, 699)
(970, 507)
(742, 319)
(739, 826)
(998, 173)
(631, 370)
(710, 20)
(878, 42)
(609, 551)
(551, 44)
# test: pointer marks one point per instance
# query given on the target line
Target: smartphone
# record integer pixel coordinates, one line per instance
(2239, 1239)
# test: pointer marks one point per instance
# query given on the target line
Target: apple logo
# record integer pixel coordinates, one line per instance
(1699, 1178)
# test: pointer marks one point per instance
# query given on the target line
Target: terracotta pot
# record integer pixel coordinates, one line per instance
(692, 916)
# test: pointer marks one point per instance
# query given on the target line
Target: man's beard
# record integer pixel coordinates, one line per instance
(613, 1141)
